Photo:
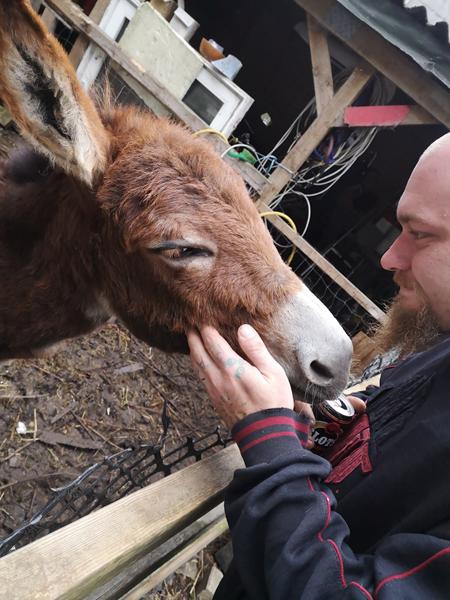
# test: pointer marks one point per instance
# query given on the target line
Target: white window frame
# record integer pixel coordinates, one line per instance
(111, 23)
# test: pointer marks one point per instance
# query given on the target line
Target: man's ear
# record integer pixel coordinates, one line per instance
(40, 89)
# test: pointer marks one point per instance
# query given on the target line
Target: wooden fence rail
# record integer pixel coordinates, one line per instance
(71, 563)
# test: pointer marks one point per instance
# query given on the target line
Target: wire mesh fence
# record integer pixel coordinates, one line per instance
(109, 480)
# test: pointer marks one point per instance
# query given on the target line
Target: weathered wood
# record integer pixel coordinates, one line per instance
(326, 266)
(321, 64)
(49, 19)
(137, 571)
(382, 55)
(184, 554)
(71, 562)
(81, 44)
(315, 133)
(375, 380)
(364, 350)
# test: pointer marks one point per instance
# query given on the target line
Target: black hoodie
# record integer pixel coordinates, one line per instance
(375, 525)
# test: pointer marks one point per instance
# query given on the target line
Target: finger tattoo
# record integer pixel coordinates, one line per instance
(239, 363)
(202, 364)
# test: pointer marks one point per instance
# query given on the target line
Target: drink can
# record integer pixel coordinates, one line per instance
(331, 417)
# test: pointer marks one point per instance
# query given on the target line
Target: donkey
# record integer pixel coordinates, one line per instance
(113, 211)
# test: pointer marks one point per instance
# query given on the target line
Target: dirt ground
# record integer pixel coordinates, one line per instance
(105, 391)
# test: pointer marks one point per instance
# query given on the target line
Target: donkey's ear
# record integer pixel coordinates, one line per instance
(39, 86)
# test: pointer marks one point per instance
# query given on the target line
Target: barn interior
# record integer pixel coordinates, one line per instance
(354, 220)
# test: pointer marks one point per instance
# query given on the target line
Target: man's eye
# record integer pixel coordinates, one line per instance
(419, 235)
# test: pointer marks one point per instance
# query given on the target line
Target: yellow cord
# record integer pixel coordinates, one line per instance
(212, 131)
(289, 221)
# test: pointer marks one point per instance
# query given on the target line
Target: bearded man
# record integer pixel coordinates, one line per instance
(371, 519)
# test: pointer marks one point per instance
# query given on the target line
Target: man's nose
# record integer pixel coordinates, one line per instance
(397, 256)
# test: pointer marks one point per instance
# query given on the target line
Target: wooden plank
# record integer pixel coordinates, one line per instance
(326, 266)
(385, 116)
(315, 133)
(70, 563)
(49, 19)
(81, 44)
(386, 58)
(375, 380)
(321, 64)
(184, 554)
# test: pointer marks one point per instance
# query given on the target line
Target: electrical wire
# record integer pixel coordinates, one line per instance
(212, 131)
(247, 146)
(291, 223)
(328, 164)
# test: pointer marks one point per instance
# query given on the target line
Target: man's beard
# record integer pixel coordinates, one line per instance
(406, 331)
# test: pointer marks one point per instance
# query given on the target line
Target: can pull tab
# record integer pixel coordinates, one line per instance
(331, 417)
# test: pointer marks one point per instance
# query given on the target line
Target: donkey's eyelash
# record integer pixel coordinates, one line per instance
(179, 250)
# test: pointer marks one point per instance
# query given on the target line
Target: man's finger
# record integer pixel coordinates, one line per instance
(304, 409)
(358, 404)
(201, 361)
(255, 349)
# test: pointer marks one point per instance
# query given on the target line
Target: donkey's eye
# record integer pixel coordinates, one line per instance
(176, 251)
(186, 252)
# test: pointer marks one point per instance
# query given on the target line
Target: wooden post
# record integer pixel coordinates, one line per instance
(321, 64)
(315, 133)
(82, 43)
(72, 562)
(49, 19)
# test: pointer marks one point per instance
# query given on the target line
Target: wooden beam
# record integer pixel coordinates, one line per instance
(358, 387)
(72, 562)
(49, 19)
(385, 116)
(326, 266)
(185, 553)
(386, 58)
(81, 44)
(315, 133)
(321, 64)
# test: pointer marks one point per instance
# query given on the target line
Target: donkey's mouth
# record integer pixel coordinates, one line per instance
(313, 394)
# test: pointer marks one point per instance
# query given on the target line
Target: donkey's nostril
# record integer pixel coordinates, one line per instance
(321, 370)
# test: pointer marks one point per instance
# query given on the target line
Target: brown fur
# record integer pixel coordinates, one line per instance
(64, 246)
(75, 237)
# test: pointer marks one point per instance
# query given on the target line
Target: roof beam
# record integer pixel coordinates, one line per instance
(382, 55)
(321, 64)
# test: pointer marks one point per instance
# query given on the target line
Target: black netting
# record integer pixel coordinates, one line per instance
(109, 480)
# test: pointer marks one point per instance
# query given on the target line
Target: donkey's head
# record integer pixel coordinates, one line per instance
(181, 243)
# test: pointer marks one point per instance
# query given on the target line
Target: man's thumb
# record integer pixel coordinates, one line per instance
(254, 348)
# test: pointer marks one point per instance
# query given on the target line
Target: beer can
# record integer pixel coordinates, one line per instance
(331, 417)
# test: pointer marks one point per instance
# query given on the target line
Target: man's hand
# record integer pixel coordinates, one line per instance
(236, 387)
